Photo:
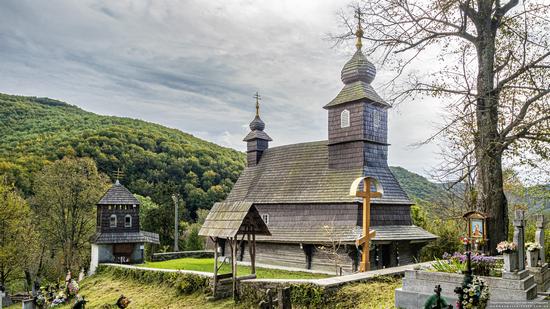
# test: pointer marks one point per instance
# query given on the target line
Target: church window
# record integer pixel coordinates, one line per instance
(344, 119)
(128, 221)
(376, 118)
(265, 217)
(112, 221)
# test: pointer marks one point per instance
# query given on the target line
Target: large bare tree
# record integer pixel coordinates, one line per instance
(494, 60)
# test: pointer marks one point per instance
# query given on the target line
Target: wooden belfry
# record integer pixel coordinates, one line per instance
(367, 234)
(231, 221)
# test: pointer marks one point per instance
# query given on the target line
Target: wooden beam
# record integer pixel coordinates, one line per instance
(215, 266)
(365, 265)
(365, 238)
(234, 267)
(369, 195)
(253, 252)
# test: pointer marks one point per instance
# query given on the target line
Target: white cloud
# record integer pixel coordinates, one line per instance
(194, 65)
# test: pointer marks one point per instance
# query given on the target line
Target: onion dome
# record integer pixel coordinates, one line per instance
(257, 124)
(357, 76)
(358, 68)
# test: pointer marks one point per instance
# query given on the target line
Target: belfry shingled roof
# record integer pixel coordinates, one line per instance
(299, 173)
(118, 195)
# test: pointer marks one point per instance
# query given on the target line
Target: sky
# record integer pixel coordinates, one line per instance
(195, 66)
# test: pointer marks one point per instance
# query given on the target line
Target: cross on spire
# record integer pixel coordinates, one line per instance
(118, 174)
(258, 98)
(359, 31)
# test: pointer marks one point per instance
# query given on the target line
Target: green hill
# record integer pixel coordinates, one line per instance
(417, 186)
(157, 161)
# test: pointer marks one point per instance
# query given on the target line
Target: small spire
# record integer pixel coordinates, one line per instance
(359, 31)
(258, 98)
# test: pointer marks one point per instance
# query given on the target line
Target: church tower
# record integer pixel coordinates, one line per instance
(257, 140)
(357, 117)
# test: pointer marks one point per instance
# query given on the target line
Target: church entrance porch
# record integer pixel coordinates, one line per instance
(122, 253)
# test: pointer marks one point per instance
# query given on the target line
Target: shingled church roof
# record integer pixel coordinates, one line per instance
(118, 195)
(313, 232)
(299, 173)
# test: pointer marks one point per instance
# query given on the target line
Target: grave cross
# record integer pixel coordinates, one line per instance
(519, 237)
(367, 234)
(539, 237)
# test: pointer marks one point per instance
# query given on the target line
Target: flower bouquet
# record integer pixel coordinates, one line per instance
(533, 246)
(72, 288)
(533, 249)
(506, 247)
(474, 295)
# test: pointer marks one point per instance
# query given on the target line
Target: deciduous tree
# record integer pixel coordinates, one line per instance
(66, 192)
(494, 66)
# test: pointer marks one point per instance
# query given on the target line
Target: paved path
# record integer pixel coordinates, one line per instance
(341, 280)
(185, 271)
(325, 282)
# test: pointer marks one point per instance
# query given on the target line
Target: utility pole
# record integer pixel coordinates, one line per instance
(175, 198)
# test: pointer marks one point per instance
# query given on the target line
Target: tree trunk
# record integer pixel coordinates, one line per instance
(491, 199)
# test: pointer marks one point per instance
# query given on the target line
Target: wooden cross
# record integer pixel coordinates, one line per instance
(258, 98)
(118, 174)
(367, 234)
(359, 16)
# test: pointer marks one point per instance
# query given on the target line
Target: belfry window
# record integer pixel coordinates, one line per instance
(344, 119)
(265, 217)
(112, 221)
(128, 221)
(376, 118)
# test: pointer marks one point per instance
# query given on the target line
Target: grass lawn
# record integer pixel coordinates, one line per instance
(207, 265)
(375, 294)
(103, 290)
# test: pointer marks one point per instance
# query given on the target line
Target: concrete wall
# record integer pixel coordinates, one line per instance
(419, 285)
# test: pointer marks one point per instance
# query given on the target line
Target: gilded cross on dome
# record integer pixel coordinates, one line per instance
(359, 31)
(258, 98)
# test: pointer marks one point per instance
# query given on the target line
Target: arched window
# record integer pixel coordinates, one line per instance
(112, 221)
(344, 119)
(128, 221)
(265, 217)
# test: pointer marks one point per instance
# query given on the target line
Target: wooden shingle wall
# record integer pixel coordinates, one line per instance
(104, 215)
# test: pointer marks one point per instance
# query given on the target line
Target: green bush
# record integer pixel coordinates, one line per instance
(184, 283)
(308, 295)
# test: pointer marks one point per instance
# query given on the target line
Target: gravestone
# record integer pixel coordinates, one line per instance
(2, 295)
(519, 237)
(541, 272)
(539, 238)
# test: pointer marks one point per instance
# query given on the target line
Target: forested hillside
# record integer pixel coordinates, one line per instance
(156, 161)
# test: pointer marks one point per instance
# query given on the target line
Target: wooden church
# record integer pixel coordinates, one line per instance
(302, 190)
(118, 236)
